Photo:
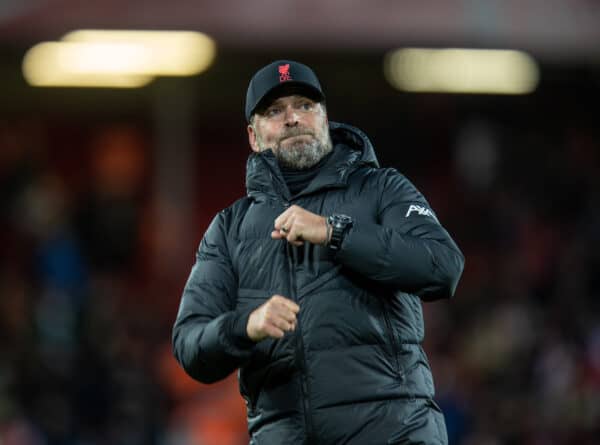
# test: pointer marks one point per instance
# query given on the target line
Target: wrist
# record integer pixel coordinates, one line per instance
(327, 232)
(239, 328)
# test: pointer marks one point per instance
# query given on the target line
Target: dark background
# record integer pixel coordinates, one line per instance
(105, 195)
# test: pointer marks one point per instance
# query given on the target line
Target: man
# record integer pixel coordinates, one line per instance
(311, 284)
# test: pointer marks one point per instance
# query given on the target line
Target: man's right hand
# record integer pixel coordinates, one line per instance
(272, 319)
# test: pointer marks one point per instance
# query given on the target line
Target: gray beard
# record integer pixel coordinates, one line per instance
(303, 155)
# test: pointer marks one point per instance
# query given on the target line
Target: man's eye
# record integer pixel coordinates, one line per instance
(272, 111)
(307, 106)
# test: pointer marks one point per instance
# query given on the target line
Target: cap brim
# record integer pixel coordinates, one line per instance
(288, 89)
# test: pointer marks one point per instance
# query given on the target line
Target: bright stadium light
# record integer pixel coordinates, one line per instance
(461, 71)
(83, 65)
(173, 53)
(117, 58)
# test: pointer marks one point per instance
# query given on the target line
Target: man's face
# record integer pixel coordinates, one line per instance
(295, 128)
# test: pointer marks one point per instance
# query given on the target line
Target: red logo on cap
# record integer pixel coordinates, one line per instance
(284, 73)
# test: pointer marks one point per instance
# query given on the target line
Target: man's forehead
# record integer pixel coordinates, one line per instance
(288, 98)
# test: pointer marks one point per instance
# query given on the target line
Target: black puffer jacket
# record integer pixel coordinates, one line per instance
(357, 342)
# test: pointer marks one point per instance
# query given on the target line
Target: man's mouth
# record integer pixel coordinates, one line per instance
(295, 136)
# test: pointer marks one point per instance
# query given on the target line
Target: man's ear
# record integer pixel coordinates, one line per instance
(252, 138)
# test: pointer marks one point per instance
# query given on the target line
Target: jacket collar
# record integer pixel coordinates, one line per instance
(352, 149)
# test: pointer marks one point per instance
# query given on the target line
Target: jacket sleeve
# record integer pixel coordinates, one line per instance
(209, 335)
(408, 249)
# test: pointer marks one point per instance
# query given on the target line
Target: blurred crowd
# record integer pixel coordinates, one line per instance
(516, 355)
(85, 314)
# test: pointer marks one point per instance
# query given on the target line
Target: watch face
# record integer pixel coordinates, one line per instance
(340, 219)
(344, 219)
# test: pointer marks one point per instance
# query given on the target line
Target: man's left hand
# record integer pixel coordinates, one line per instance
(297, 225)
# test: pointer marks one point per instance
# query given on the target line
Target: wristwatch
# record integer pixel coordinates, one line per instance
(339, 226)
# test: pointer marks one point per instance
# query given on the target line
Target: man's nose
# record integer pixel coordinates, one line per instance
(291, 116)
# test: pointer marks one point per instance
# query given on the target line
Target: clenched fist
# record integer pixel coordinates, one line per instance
(272, 319)
(297, 225)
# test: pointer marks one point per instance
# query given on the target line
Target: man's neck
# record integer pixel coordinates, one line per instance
(298, 180)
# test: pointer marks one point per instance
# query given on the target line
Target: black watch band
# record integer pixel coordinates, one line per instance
(339, 226)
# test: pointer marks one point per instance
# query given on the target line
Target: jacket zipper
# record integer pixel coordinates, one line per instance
(300, 352)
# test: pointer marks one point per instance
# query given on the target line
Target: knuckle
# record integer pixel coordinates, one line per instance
(262, 322)
(269, 312)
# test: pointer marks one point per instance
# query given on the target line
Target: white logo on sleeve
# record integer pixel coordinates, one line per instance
(420, 210)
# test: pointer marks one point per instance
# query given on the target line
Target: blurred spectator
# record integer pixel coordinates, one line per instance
(110, 209)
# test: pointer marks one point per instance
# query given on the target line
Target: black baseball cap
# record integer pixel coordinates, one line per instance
(279, 78)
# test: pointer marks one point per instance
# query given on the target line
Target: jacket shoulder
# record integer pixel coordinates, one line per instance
(232, 215)
(235, 208)
(389, 186)
(381, 177)
(399, 185)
